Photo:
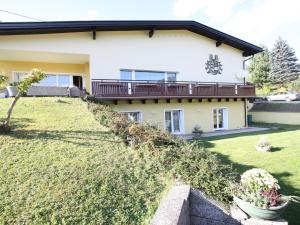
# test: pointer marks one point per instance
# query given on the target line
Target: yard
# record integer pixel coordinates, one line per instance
(59, 166)
(283, 162)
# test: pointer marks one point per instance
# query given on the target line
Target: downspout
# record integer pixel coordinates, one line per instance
(245, 100)
(245, 113)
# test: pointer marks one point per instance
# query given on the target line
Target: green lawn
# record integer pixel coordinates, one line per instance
(283, 162)
(59, 166)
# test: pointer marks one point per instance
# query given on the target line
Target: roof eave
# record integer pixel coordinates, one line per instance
(28, 28)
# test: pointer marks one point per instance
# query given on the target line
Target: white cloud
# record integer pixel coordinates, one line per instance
(92, 14)
(263, 19)
(214, 10)
(260, 21)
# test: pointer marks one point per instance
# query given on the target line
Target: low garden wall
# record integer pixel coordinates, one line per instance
(174, 208)
(186, 206)
(284, 113)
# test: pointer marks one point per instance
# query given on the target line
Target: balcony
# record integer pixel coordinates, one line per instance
(140, 89)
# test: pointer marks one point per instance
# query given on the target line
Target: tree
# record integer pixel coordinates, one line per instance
(34, 76)
(3, 80)
(260, 68)
(284, 67)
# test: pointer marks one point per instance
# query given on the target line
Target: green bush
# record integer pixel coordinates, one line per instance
(183, 160)
(202, 170)
(295, 85)
(131, 132)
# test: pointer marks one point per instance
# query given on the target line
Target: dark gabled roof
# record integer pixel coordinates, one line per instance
(17, 28)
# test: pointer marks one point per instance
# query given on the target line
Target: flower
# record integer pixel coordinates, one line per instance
(259, 177)
(257, 187)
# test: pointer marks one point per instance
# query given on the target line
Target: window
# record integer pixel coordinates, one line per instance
(173, 121)
(63, 80)
(147, 75)
(220, 118)
(133, 116)
(50, 80)
(59, 80)
(126, 75)
(19, 76)
(171, 77)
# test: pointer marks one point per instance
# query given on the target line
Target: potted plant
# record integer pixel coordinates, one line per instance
(263, 145)
(12, 89)
(197, 132)
(258, 195)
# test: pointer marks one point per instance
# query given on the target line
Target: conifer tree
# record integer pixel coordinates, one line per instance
(285, 67)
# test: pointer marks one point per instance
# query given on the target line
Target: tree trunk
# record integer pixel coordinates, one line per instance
(6, 124)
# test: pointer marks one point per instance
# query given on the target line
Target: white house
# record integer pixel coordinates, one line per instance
(176, 74)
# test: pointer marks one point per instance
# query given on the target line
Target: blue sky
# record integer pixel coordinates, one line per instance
(256, 21)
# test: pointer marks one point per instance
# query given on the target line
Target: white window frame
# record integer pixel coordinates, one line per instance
(133, 71)
(181, 124)
(226, 123)
(134, 111)
(56, 74)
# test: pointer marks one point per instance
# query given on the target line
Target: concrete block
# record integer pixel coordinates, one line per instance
(254, 221)
(174, 208)
(237, 213)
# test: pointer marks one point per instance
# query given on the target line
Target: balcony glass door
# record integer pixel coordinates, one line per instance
(173, 121)
(220, 118)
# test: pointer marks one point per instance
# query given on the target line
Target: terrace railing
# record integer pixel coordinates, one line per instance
(109, 88)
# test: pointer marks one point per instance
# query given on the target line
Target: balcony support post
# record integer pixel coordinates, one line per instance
(129, 88)
(190, 89)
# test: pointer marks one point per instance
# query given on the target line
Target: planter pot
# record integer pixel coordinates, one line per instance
(197, 135)
(263, 148)
(12, 91)
(260, 213)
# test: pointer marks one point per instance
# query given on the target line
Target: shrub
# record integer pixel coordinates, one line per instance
(202, 170)
(183, 160)
(3, 80)
(295, 85)
(131, 132)
(197, 132)
(263, 142)
(264, 145)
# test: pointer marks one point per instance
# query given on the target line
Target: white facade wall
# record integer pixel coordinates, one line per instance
(183, 52)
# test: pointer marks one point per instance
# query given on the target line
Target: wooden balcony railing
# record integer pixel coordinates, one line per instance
(115, 89)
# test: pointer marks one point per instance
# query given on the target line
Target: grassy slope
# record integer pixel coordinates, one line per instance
(60, 166)
(283, 163)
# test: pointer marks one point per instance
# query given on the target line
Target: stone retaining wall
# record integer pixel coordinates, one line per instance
(186, 206)
(174, 208)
